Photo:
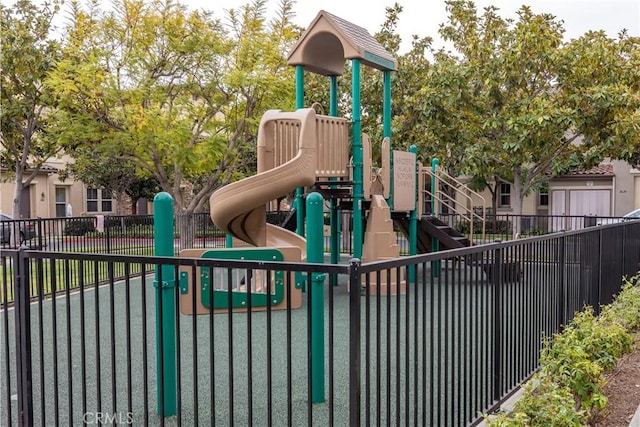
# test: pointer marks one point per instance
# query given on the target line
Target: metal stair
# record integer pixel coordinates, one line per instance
(430, 227)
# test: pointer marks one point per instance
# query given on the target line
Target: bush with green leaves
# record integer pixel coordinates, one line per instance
(567, 389)
(79, 227)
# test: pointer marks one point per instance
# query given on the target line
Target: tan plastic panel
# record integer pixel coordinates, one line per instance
(188, 307)
(380, 243)
(239, 208)
(386, 166)
(333, 147)
(367, 176)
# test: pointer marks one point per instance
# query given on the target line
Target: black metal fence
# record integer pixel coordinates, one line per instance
(133, 234)
(80, 346)
(114, 234)
(501, 226)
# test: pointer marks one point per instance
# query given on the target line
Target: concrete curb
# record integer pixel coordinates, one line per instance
(635, 421)
(507, 405)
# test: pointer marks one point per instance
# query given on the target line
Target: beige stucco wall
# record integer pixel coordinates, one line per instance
(42, 192)
(624, 197)
(636, 193)
(529, 204)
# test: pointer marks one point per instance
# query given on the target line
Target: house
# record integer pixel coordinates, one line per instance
(568, 202)
(48, 196)
(610, 189)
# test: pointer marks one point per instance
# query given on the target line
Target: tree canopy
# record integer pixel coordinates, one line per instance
(27, 56)
(515, 103)
(175, 93)
(174, 96)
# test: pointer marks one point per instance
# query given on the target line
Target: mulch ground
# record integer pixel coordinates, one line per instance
(623, 390)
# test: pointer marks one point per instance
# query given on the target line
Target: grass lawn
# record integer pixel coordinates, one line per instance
(46, 276)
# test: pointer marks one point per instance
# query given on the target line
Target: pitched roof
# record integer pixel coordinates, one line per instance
(603, 169)
(329, 40)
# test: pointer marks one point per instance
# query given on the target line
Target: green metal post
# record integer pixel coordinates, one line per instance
(334, 215)
(229, 241)
(300, 190)
(333, 96)
(435, 243)
(386, 126)
(315, 254)
(413, 222)
(357, 161)
(164, 284)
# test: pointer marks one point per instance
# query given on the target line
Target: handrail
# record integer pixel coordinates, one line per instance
(452, 203)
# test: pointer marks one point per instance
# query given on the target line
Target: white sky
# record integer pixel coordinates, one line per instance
(423, 17)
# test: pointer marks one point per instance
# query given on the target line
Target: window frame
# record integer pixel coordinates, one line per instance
(98, 200)
(502, 194)
(60, 207)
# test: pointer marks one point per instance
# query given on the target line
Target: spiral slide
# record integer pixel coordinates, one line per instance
(240, 207)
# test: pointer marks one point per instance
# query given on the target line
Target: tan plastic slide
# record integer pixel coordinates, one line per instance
(240, 207)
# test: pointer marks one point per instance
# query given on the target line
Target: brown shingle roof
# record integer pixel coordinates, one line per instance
(603, 169)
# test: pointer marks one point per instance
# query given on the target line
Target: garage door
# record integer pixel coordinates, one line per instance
(589, 203)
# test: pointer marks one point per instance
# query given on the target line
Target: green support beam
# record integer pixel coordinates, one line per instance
(413, 220)
(315, 254)
(435, 243)
(334, 214)
(357, 160)
(165, 301)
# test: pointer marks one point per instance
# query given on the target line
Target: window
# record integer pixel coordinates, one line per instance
(504, 195)
(106, 200)
(61, 202)
(92, 200)
(99, 200)
(543, 197)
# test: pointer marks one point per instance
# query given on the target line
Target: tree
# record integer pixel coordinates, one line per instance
(117, 176)
(513, 99)
(27, 56)
(173, 92)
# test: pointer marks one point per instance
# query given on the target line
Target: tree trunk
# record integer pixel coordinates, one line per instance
(120, 195)
(15, 209)
(186, 228)
(518, 196)
(494, 206)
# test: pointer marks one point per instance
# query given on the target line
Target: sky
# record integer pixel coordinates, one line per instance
(423, 17)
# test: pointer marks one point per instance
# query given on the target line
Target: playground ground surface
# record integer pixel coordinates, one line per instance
(102, 365)
(71, 368)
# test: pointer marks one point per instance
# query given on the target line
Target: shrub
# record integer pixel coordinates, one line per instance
(79, 227)
(492, 226)
(566, 391)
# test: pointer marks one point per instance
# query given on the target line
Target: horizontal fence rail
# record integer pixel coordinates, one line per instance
(133, 234)
(433, 339)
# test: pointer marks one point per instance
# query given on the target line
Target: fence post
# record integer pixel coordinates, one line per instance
(315, 254)
(107, 234)
(355, 352)
(40, 234)
(164, 285)
(497, 323)
(599, 290)
(22, 305)
(561, 288)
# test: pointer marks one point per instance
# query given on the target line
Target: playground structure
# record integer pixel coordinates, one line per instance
(303, 149)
